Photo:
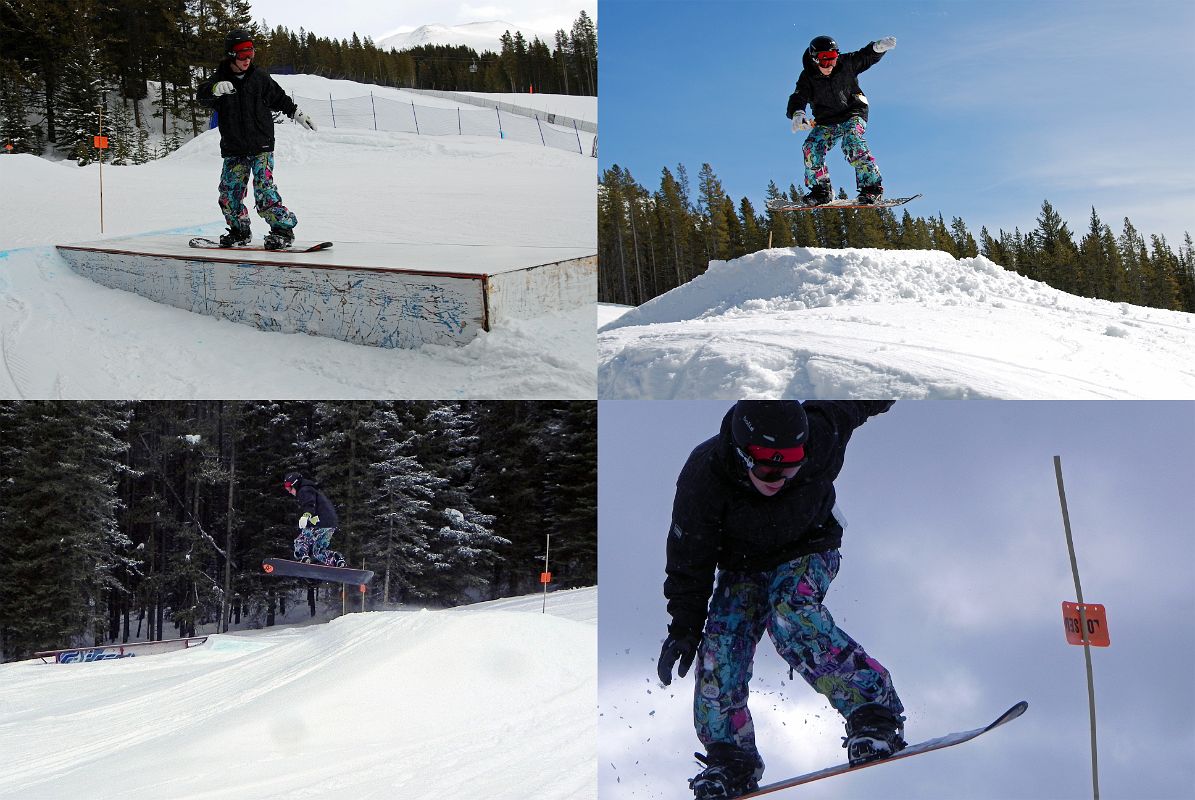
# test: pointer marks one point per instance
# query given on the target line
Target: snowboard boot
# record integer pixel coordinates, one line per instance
(819, 195)
(730, 772)
(236, 237)
(870, 195)
(279, 238)
(872, 732)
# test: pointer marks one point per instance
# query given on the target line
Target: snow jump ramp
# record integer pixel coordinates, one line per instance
(386, 295)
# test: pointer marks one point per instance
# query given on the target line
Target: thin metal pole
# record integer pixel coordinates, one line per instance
(547, 548)
(101, 133)
(1070, 545)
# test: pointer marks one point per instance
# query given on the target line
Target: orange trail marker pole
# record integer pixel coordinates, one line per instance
(1083, 629)
(546, 576)
(101, 144)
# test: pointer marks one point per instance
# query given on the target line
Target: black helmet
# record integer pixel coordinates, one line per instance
(821, 44)
(291, 479)
(234, 38)
(772, 431)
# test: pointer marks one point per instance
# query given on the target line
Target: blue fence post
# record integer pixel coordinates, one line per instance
(374, 106)
(415, 116)
(459, 130)
(580, 150)
(541, 131)
(333, 107)
(501, 135)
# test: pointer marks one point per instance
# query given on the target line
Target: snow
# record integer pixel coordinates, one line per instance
(820, 323)
(493, 700)
(63, 336)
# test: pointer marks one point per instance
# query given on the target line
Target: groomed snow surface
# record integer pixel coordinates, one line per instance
(63, 336)
(494, 700)
(819, 323)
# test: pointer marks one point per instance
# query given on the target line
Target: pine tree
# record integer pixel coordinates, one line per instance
(80, 91)
(63, 461)
(711, 204)
(777, 225)
(403, 502)
(584, 46)
(465, 548)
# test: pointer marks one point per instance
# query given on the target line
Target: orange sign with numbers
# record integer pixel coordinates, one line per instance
(1097, 624)
(545, 577)
(101, 142)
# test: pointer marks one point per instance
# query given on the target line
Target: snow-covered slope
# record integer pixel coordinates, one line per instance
(494, 700)
(63, 336)
(817, 323)
(480, 36)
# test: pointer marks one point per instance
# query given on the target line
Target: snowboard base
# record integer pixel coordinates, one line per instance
(297, 569)
(204, 243)
(949, 740)
(780, 204)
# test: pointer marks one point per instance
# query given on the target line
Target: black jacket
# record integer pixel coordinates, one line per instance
(720, 520)
(312, 500)
(837, 97)
(246, 118)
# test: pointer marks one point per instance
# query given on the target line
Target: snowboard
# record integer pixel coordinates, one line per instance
(949, 740)
(780, 204)
(297, 569)
(204, 243)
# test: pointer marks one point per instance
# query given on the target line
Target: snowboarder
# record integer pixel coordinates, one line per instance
(245, 99)
(317, 524)
(756, 504)
(829, 82)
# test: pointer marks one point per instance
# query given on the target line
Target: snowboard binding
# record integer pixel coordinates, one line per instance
(873, 732)
(729, 772)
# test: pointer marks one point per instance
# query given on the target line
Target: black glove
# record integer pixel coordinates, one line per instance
(676, 647)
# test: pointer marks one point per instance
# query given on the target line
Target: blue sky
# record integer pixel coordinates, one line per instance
(954, 570)
(986, 108)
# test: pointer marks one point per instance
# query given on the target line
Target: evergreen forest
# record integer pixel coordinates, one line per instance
(140, 521)
(650, 242)
(66, 63)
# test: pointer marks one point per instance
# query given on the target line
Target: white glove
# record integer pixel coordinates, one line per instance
(801, 122)
(222, 88)
(303, 520)
(304, 120)
(884, 45)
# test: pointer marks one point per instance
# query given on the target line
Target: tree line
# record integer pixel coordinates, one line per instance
(68, 65)
(650, 242)
(143, 520)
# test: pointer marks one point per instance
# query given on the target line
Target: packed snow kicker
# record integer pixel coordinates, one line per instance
(493, 700)
(818, 323)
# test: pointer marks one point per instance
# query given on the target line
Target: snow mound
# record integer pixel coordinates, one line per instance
(380, 704)
(813, 322)
(801, 278)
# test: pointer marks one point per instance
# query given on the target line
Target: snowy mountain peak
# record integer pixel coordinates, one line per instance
(480, 36)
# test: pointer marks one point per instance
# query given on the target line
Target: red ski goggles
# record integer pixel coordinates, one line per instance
(243, 52)
(770, 465)
(827, 58)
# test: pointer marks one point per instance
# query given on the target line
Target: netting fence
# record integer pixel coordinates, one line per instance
(383, 114)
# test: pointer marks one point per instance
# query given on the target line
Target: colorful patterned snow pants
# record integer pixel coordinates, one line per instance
(234, 183)
(822, 139)
(787, 602)
(313, 543)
